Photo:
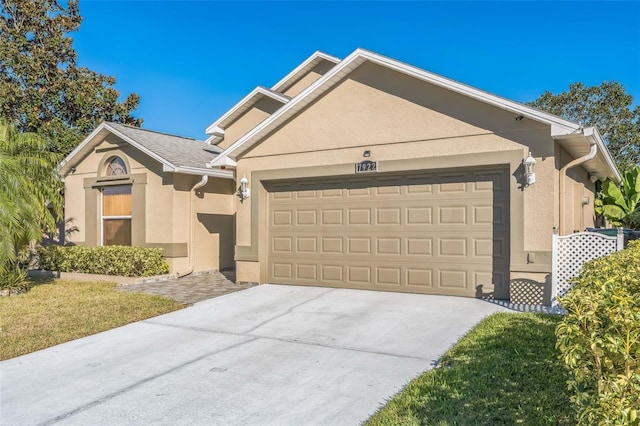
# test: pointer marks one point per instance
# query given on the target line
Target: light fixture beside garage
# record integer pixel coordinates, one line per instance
(244, 192)
(529, 170)
(367, 153)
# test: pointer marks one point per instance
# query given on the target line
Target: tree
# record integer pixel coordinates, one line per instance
(30, 194)
(41, 87)
(607, 107)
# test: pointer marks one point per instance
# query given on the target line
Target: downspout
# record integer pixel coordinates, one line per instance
(563, 173)
(192, 233)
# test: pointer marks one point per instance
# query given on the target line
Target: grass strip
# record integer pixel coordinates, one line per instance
(57, 312)
(505, 371)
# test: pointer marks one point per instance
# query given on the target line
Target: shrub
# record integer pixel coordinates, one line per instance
(599, 338)
(14, 281)
(106, 260)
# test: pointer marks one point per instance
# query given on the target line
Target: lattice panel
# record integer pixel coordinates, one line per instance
(526, 292)
(570, 252)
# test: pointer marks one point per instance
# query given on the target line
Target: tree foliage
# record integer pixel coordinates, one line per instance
(30, 193)
(621, 204)
(42, 88)
(607, 107)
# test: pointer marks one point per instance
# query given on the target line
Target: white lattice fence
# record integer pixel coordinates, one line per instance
(571, 251)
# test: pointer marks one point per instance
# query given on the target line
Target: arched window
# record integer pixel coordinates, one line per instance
(116, 207)
(116, 166)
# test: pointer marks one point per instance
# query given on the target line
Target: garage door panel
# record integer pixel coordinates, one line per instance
(419, 278)
(450, 215)
(453, 279)
(419, 215)
(432, 233)
(331, 245)
(388, 216)
(389, 276)
(331, 274)
(358, 275)
(358, 245)
(282, 271)
(306, 272)
(418, 246)
(307, 217)
(282, 218)
(359, 216)
(389, 246)
(282, 245)
(453, 247)
(306, 244)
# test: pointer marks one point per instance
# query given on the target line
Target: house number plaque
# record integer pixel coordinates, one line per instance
(367, 166)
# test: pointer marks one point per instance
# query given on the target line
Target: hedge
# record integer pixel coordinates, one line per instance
(106, 260)
(599, 339)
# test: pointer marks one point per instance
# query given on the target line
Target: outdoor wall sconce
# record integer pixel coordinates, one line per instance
(244, 192)
(529, 172)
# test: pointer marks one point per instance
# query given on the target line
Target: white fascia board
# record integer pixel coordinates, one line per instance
(216, 136)
(225, 174)
(317, 54)
(594, 134)
(217, 131)
(249, 99)
(558, 131)
(360, 55)
(61, 168)
(222, 160)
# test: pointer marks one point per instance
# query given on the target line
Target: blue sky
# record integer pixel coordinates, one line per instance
(191, 60)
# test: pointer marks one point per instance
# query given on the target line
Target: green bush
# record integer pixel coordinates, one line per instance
(599, 339)
(14, 281)
(105, 260)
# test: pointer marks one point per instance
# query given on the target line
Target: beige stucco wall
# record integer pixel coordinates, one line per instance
(578, 189)
(215, 225)
(400, 119)
(162, 207)
(262, 109)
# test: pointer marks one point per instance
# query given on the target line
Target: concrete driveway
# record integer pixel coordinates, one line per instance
(281, 355)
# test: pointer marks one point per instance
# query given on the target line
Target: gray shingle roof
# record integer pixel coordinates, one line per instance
(179, 151)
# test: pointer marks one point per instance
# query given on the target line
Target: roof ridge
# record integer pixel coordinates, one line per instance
(152, 131)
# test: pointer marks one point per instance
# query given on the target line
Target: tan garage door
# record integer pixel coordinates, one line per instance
(444, 233)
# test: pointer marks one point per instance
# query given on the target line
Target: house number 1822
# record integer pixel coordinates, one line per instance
(366, 166)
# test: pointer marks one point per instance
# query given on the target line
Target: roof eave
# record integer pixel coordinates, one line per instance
(222, 161)
(198, 171)
(65, 165)
(217, 127)
(578, 144)
(559, 126)
(314, 57)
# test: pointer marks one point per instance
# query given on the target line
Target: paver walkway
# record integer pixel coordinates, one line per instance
(190, 289)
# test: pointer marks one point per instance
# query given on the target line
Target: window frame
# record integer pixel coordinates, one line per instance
(115, 177)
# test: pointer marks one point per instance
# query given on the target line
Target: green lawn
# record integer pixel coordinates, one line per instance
(505, 371)
(62, 310)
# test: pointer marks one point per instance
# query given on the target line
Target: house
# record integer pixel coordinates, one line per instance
(363, 173)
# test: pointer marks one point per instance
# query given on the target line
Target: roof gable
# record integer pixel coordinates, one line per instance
(216, 129)
(175, 153)
(559, 126)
